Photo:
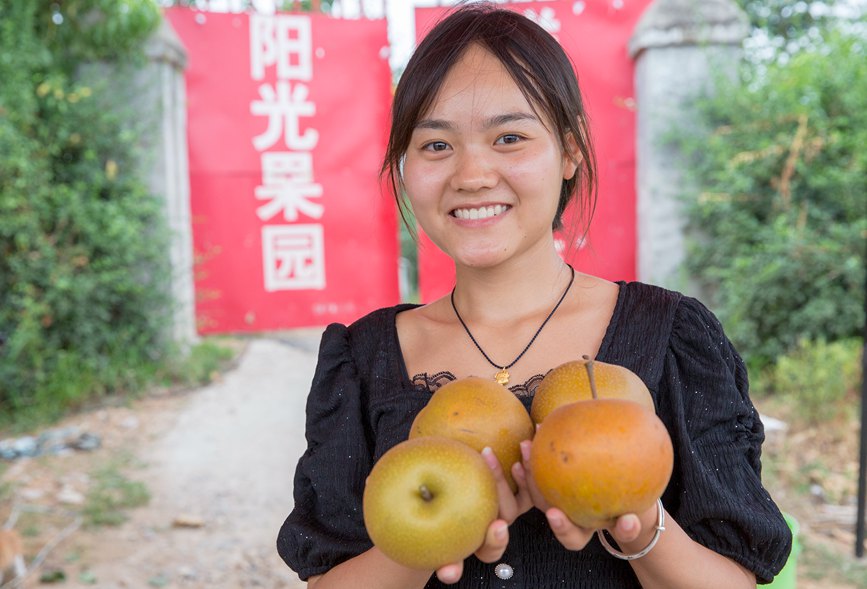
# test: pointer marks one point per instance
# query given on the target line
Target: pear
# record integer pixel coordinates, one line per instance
(599, 459)
(478, 412)
(570, 382)
(428, 502)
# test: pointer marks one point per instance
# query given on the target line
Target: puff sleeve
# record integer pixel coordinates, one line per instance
(718, 499)
(326, 525)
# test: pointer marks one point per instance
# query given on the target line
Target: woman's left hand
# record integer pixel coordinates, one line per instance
(627, 528)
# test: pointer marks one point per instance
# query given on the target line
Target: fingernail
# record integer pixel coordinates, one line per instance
(555, 521)
(525, 450)
(490, 457)
(500, 532)
(628, 524)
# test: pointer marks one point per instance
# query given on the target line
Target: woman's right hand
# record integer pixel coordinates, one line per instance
(511, 504)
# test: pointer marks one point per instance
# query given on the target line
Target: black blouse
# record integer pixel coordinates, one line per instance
(362, 402)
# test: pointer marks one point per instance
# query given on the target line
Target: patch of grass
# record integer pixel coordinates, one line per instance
(29, 524)
(821, 562)
(72, 556)
(200, 366)
(112, 494)
(73, 387)
(6, 488)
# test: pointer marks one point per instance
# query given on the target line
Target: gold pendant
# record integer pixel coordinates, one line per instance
(502, 377)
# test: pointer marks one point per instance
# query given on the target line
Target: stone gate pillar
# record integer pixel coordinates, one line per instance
(680, 47)
(162, 98)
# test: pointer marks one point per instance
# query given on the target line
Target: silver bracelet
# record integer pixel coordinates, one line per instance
(660, 528)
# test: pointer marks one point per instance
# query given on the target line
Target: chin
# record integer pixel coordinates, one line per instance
(481, 260)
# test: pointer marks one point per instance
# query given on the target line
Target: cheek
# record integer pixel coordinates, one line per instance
(421, 181)
(538, 178)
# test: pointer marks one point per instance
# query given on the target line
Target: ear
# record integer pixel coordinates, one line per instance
(572, 157)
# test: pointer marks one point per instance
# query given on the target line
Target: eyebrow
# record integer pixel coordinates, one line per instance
(489, 123)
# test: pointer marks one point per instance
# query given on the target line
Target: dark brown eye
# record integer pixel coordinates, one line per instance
(436, 146)
(508, 139)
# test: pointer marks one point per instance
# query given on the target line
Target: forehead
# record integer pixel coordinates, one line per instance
(478, 82)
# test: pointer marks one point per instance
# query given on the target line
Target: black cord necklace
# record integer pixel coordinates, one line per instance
(502, 376)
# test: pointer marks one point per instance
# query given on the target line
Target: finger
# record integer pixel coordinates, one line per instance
(523, 497)
(450, 573)
(627, 528)
(526, 445)
(506, 499)
(496, 540)
(535, 494)
(572, 537)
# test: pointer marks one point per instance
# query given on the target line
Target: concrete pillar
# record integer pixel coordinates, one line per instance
(680, 48)
(161, 95)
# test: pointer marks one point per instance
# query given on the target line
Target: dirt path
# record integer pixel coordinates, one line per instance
(223, 456)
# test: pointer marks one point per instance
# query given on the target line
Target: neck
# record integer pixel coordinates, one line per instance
(510, 291)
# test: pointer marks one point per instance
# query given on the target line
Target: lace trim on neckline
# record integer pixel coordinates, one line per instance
(432, 382)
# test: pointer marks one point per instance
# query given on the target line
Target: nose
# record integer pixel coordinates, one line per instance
(473, 172)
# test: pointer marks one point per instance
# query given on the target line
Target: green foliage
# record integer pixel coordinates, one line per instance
(205, 360)
(782, 214)
(790, 26)
(82, 242)
(820, 379)
(80, 31)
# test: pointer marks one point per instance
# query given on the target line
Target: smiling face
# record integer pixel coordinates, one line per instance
(483, 171)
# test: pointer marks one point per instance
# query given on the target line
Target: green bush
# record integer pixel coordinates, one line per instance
(819, 378)
(82, 242)
(788, 26)
(782, 217)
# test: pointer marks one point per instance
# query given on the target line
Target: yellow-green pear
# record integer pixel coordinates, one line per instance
(428, 502)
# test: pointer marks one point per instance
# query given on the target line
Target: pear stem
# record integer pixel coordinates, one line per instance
(588, 364)
(425, 493)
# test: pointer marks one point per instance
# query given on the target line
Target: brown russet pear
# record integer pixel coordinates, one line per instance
(601, 458)
(428, 502)
(478, 412)
(569, 382)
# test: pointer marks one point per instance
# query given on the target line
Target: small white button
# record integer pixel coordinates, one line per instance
(504, 571)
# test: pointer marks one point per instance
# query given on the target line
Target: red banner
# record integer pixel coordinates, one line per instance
(595, 35)
(287, 125)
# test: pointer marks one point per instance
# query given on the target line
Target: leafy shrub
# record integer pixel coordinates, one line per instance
(205, 360)
(82, 242)
(819, 378)
(781, 215)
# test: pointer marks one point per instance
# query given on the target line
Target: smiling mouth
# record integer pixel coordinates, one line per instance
(480, 212)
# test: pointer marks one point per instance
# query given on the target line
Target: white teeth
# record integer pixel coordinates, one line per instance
(479, 213)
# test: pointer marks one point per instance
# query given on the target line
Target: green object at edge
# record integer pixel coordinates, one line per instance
(788, 578)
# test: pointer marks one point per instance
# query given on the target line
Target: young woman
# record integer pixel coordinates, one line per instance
(490, 142)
